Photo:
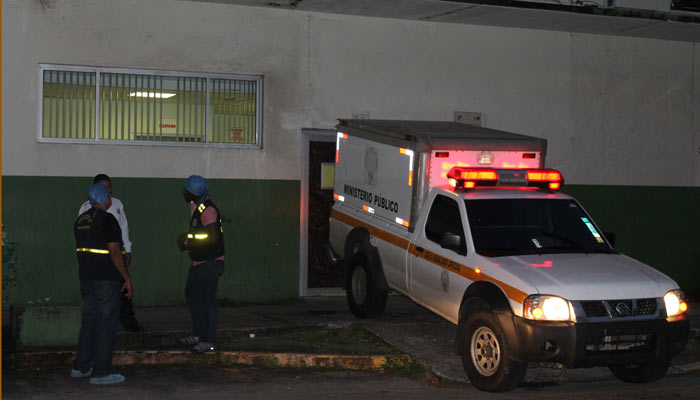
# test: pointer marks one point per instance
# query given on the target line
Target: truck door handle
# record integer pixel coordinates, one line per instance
(419, 249)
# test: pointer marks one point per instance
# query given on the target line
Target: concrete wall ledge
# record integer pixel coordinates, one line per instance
(45, 325)
(258, 359)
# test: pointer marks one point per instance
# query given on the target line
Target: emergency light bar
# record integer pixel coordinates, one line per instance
(470, 177)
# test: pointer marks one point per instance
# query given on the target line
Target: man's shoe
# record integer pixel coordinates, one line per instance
(108, 380)
(202, 347)
(190, 340)
(76, 373)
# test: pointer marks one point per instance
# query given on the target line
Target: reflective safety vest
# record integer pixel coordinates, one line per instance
(200, 246)
(91, 247)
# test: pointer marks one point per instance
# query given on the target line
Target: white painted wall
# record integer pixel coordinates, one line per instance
(615, 110)
(159, 34)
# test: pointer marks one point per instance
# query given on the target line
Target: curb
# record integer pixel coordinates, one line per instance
(33, 360)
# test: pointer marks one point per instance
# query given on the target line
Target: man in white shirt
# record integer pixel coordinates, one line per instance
(126, 312)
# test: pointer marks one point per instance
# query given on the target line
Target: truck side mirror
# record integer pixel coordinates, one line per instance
(452, 242)
(611, 237)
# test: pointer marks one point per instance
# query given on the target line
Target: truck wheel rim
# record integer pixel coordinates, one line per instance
(485, 351)
(359, 285)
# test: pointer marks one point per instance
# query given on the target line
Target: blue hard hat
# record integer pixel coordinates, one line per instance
(196, 185)
(98, 193)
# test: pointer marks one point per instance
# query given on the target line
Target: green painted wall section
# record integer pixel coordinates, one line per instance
(656, 225)
(659, 226)
(261, 227)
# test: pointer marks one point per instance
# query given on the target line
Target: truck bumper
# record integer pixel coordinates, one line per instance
(602, 343)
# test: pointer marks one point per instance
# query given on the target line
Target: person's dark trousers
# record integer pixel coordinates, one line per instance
(200, 292)
(99, 325)
(127, 317)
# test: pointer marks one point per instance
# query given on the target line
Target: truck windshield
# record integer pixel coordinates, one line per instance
(505, 227)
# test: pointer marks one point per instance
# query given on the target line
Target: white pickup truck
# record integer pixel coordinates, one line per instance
(466, 222)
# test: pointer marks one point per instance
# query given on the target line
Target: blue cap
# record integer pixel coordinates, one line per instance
(196, 185)
(98, 194)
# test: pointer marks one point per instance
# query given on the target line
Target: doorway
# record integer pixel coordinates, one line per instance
(317, 274)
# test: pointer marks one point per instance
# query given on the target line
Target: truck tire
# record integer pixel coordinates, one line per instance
(365, 299)
(642, 373)
(486, 358)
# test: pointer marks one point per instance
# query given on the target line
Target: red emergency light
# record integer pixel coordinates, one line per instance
(471, 177)
(549, 178)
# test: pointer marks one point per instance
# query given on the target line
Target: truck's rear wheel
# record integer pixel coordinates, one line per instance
(365, 299)
(642, 373)
(486, 358)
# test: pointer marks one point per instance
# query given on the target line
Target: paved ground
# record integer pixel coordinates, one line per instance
(238, 383)
(410, 328)
(405, 325)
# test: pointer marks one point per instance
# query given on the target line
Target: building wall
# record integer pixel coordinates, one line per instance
(620, 114)
(261, 238)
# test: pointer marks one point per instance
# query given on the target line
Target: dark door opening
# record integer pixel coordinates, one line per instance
(321, 273)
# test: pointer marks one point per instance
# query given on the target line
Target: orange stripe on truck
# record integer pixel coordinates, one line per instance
(376, 232)
(436, 259)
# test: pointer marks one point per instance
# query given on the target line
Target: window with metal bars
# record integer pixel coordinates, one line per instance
(83, 104)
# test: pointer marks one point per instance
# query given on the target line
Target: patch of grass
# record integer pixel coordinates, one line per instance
(201, 361)
(352, 339)
(268, 361)
(409, 367)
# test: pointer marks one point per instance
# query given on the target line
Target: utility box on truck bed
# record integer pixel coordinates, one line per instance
(387, 167)
(468, 223)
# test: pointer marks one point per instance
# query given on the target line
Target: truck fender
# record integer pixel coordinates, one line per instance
(486, 295)
(357, 241)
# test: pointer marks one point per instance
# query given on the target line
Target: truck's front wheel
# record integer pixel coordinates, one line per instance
(365, 299)
(486, 358)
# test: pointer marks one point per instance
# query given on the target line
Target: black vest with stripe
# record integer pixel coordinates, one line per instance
(203, 250)
(94, 261)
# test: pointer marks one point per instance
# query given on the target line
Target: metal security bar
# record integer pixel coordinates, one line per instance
(234, 114)
(84, 104)
(68, 104)
(152, 108)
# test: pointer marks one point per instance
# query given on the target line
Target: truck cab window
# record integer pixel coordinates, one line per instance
(444, 219)
(505, 227)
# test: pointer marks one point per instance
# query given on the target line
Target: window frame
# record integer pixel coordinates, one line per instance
(152, 72)
(454, 202)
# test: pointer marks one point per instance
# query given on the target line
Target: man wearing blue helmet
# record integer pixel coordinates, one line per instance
(127, 317)
(205, 243)
(103, 280)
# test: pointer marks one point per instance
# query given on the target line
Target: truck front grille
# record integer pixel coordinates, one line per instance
(627, 308)
(646, 306)
(594, 308)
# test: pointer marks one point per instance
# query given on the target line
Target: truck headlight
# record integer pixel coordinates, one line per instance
(675, 303)
(547, 308)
